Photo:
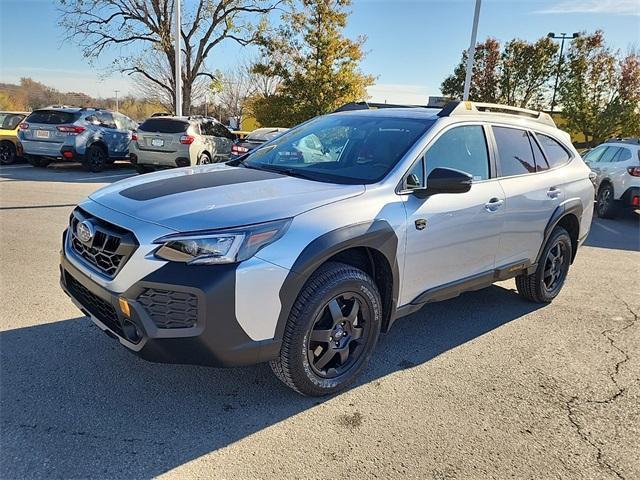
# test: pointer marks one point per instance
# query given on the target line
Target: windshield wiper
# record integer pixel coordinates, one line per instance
(290, 172)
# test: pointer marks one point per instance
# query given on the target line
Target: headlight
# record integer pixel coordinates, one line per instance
(220, 246)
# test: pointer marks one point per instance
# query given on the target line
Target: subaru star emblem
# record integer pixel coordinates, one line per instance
(85, 231)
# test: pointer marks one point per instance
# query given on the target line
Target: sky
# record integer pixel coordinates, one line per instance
(411, 45)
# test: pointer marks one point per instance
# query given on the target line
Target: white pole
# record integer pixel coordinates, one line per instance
(471, 52)
(117, 110)
(178, 35)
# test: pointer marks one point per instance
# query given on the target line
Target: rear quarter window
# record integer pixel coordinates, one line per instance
(557, 155)
(164, 125)
(52, 117)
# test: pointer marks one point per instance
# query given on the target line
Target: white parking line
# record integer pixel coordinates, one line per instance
(106, 176)
(609, 229)
(14, 167)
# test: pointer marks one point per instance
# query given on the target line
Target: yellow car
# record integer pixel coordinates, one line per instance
(9, 145)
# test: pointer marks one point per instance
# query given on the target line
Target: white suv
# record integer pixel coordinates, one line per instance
(282, 257)
(617, 167)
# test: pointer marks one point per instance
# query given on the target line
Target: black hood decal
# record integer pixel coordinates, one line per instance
(197, 181)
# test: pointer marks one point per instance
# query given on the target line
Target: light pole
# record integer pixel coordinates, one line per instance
(178, 66)
(562, 37)
(117, 100)
(471, 52)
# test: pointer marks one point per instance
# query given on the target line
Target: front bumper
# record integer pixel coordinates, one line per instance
(216, 338)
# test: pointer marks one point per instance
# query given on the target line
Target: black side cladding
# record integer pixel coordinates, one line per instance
(186, 183)
(378, 235)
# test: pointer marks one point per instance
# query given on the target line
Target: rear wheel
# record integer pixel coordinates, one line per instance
(7, 153)
(143, 168)
(204, 159)
(543, 285)
(95, 158)
(39, 162)
(331, 331)
(606, 206)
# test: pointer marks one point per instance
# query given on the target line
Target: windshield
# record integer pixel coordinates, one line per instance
(353, 149)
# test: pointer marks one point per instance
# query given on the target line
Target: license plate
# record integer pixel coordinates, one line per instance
(42, 133)
(157, 142)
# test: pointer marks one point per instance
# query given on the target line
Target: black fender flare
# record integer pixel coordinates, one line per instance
(99, 142)
(572, 206)
(377, 235)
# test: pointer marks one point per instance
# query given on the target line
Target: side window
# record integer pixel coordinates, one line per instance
(594, 155)
(538, 156)
(105, 119)
(462, 148)
(415, 176)
(514, 150)
(609, 154)
(623, 155)
(220, 130)
(556, 154)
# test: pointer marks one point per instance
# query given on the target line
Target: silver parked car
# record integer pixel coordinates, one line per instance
(302, 260)
(167, 142)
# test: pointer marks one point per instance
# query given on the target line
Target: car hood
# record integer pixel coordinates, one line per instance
(217, 196)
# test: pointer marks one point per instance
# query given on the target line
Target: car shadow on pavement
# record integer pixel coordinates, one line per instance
(622, 233)
(74, 403)
(68, 172)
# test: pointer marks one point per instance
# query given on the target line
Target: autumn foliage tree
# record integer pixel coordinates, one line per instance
(599, 92)
(318, 67)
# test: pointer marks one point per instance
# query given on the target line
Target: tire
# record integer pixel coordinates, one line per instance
(39, 162)
(204, 159)
(341, 305)
(606, 206)
(543, 285)
(141, 169)
(95, 159)
(7, 153)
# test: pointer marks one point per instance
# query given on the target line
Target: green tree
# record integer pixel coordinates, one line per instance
(318, 66)
(592, 93)
(630, 95)
(484, 77)
(525, 71)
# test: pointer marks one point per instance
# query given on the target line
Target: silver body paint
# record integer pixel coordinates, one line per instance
(462, 238)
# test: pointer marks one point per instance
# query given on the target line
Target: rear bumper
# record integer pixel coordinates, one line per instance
(214, 339)
(44, 149)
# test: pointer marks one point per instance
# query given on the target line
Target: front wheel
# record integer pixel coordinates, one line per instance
(605, 202)
(204, 159)
(543, 285)
(331, 332)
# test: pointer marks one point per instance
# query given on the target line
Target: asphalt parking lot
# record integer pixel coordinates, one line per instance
(482, 386)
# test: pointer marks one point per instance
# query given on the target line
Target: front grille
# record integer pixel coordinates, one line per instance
(170, 309)
(96, 306)
(109, 248)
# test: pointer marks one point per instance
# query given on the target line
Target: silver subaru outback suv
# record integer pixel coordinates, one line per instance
(302, 261)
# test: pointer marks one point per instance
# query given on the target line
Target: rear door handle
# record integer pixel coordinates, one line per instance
(493, 204)
(553, 192)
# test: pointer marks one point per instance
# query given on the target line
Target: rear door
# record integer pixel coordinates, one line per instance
(223, 139)
(117, 140)
(533, 189)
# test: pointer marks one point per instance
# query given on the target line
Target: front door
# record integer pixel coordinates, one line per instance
(452, 237)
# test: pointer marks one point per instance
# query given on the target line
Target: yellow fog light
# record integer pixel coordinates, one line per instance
(124, 307)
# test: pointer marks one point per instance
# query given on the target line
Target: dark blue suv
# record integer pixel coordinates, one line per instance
(92, 136)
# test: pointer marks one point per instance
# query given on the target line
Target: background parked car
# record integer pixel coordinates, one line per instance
(92, 136)
(166, 142)
(254, 140)
(617, 166)
(9, 146)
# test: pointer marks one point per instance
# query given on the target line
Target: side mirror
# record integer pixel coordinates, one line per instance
(445, 180)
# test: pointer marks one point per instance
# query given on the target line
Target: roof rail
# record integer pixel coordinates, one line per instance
(92, 108)
(348, 107)
(470, 108)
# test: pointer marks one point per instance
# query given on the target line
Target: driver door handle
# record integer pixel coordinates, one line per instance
(493, 205)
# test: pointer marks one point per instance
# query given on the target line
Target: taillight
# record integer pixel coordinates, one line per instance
(71, 129)
(635, 201)
(24, 126)
(187, 139)
(238, 150)
(634, 171)
(134, 137)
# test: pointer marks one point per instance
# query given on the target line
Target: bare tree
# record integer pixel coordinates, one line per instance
(144, 27)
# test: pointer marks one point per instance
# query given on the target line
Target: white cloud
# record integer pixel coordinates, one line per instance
(400, 94)
(614, 7)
